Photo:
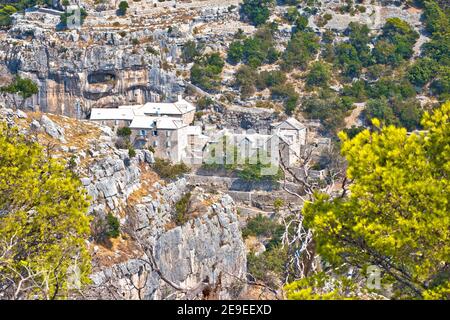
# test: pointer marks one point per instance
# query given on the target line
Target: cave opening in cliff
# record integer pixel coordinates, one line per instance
(101, 77)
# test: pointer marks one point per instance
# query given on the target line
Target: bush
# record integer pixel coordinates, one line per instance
(191, 51)
(206, 72)
(131, 152)
(123, 6)
(254, 51)
(181, 208)
(422, 71)
(269, 266)
(319, 75)
(289, 96)
(245, 79)
(257, 11)
(262, 226)
(166, 170)
(330, 111)
(204, 102)
(300, 50)
(268, 79)
(124, 132)
(113, 230)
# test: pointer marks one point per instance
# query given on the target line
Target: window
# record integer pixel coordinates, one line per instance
(168, 144)
(155, 143)
(155, 133)
(117, 122)
(143, 132)
(168, 133)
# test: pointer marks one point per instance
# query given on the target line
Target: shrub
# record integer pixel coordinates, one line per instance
(166, 170)
(113, 230)
(206, 72)
(257, 11)
(204, 102)
(269, 266)
(131, 152)
(262, 226)
(245, 80)
(123, 6)
(288, 94)
(278, 203)
(124, 132)
(181, 208)
(319, 75)
(300, 50)
(191, 51)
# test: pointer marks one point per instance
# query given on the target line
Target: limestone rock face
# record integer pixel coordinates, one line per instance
(157, 256)
(205, 252)
(73, 79)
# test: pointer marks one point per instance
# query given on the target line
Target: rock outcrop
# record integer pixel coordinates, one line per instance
(157, 256)
(192, 260)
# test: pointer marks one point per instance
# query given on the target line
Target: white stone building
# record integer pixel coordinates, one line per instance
(165, 127)
(286, 138)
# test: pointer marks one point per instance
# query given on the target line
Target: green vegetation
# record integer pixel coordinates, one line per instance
(123, 6)
(254, 172)
(5, 15)
(437, 22)
(166, 170)
(300, 49)
(264, 227)
(257, 11)
(395, 42)
(113, 226)
(191, 51)
(227, 157)
(268, 266)
(206, 72)
(254, 51)
(331, 110)
(181, 209)
(288, 95)
(204, 102)
(124, 132)
(396, 215)
(319, 75)
(278, 204)
(131, 152)
(370, 66)
(44, 222)
(245, 79)
(7, 8)
(23, 87)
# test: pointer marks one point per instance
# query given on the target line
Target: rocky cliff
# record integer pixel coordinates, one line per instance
(156, 256)
(111, 59)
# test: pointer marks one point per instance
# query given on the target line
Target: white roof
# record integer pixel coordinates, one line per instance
(111, 114)
(164, 122)
(169, 108)
(142, 122)
(294, 123)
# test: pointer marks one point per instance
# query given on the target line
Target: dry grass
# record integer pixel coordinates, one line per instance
(120, 250)
(148, 179)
